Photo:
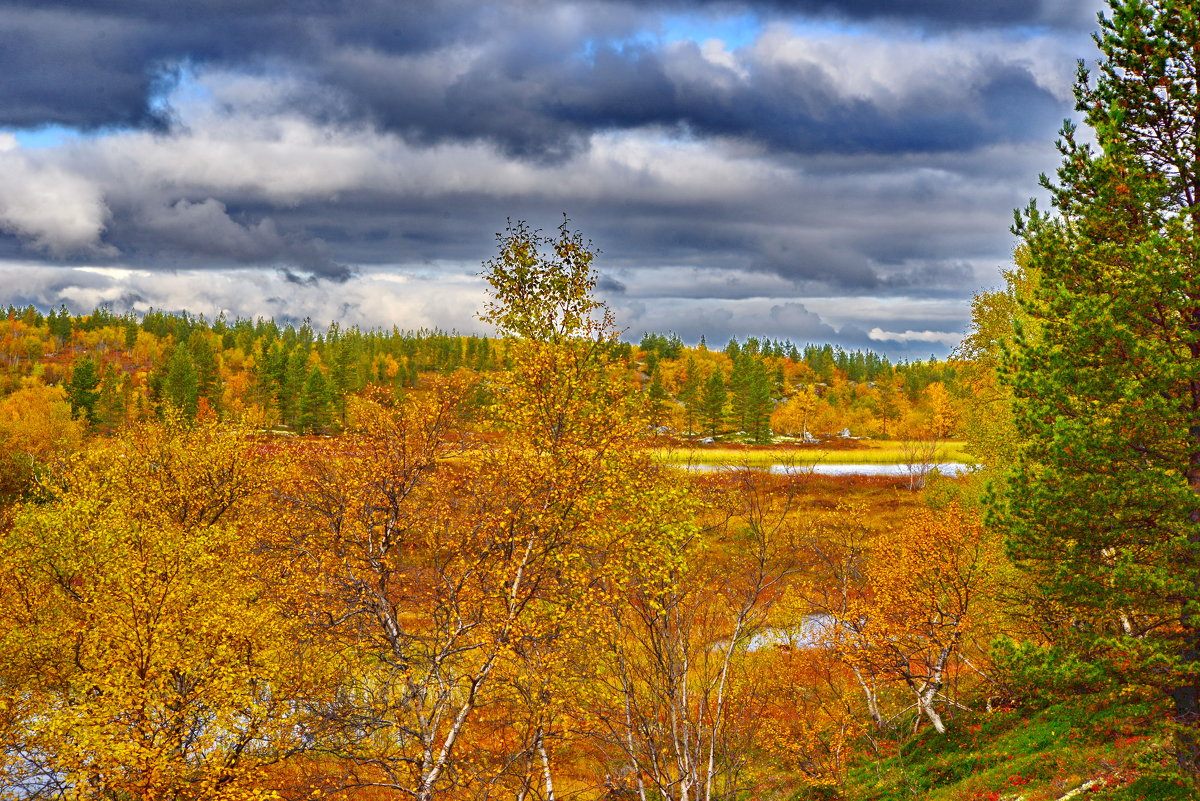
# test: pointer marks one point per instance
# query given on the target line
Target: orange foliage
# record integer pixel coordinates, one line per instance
(927, 590)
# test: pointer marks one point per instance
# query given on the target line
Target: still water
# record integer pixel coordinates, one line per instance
(945, 468)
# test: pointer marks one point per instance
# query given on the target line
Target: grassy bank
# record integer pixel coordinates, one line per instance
(1099, 749)
(859, 452)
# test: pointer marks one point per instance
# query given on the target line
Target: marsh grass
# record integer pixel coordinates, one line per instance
(869, 452)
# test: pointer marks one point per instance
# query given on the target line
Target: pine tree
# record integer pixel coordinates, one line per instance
(208, 377)
(1102, 507)
(315, 402)
(342, 377)
(689, 395)
(656, 393)
(180, 388)
(83, 390)
(714, 402)
(739, 390)
(112, 398)
(61, 324)
(268, 373)
(750, 388)
(758, 402)
(295, 373)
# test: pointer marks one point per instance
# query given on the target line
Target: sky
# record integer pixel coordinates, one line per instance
(839, 171)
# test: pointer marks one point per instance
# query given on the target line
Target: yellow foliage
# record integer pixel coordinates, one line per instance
(141, 652)
(797, 414)
(35, 427)
(36, 421)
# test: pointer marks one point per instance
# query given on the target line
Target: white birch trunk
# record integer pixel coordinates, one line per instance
(547, 778)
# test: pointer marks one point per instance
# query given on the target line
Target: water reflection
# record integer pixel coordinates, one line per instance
(945, 468)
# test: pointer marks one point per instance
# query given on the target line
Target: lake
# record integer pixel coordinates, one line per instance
(945, 468)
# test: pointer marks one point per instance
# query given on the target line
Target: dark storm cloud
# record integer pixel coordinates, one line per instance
(104, 63)
(63, 70)
(937, 13)
(537, 79)
(189, 234)
(788, 107)
(870, 149)
(609, 286)
(534, 107)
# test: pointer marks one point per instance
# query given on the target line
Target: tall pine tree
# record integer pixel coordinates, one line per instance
(713, 402)
(689, 395)
(1103, 507)
(83, 388)
(180, 388)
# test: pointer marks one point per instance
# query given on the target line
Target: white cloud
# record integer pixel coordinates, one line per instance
(947, 338)
(450, 299)
(379, 300)
(897, 70)
(51, 207)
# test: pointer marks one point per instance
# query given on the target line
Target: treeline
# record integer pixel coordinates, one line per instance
(762, 389)
(118, 369)
(121, 369)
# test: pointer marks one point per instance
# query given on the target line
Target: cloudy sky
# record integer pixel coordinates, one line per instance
(821, 170)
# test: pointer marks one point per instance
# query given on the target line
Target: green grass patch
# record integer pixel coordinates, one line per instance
(1118, 750)
(862, 452)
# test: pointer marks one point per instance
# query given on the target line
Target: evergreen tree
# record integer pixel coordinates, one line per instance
(294, 376)
(739, 388)
(689, 394)
(674, 346)
(483, 356)
(180, 388)
(61, 324)
(714, 402)
(750, 390)
(83, 391)
(112, 398)
(269, 369)
(888, 406)
(342, 376)
(657, 395)
(758, 402)
(1103, 508)
(315, 402)
(208, 378)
